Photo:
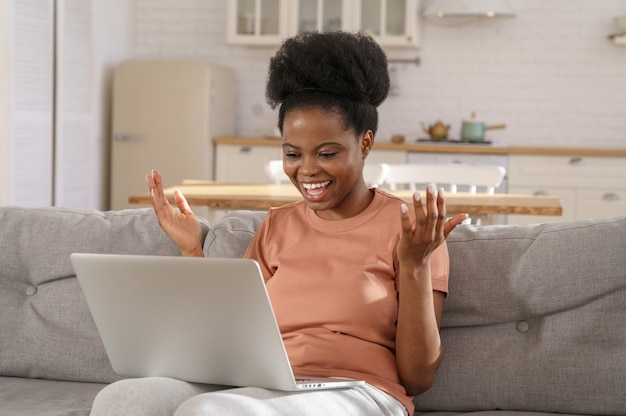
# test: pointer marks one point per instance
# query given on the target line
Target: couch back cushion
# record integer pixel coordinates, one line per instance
(535, 320)
(46, 329)
(231, 234)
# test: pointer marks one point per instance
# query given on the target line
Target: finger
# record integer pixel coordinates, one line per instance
(158, 181)
(453, 222)
(441, 209)
(418, 207)
(153, 194)
(161, 199)
(150, 181)
(405, 220)
(432, 211)
(182, 203)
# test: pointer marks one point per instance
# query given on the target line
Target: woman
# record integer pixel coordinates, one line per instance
(356, 278)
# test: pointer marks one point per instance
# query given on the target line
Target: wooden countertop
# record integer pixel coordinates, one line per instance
(264, 196)
(431, 147)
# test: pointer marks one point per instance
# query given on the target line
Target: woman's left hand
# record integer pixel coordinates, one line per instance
(418, 345)
(430, 230)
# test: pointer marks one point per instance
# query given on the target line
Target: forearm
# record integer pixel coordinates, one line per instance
(418, 344)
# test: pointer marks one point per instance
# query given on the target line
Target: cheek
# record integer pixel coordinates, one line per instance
(290, 168)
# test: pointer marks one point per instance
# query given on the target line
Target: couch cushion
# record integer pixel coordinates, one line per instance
(231, 234)
(35, 397)
(535, 320)
(46, 330)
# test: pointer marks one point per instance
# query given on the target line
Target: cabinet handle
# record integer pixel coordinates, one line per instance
(541, 193)
(121, 137)
(245, 149)
(610, 196)
(578, 161)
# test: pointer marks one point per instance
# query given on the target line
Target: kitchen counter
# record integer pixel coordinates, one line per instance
(443, 147)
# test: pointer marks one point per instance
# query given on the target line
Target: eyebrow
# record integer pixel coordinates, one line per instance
(285, 145)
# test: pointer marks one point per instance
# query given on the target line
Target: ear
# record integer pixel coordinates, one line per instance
(366, 142)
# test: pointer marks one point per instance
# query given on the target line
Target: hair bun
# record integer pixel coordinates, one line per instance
(351, 65)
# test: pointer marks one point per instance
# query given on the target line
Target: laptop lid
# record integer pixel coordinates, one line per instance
(195, 319)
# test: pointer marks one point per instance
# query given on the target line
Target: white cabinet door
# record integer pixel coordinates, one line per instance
(257, 22)
(601, 203)
(244, 164)
(392, 23)
(386, 156)
(319, 15)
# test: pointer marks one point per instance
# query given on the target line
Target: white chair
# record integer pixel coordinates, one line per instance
(275, 172)
(374, 174)
(452, 177)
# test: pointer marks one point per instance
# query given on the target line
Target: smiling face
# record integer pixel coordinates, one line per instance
(325, 162)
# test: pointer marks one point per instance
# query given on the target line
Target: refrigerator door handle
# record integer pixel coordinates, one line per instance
(121, 137)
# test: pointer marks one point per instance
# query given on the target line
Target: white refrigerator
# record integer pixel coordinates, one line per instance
(165, 114)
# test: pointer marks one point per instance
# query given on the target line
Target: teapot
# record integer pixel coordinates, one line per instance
(437, 131)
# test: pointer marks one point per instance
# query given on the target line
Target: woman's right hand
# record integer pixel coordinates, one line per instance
(182, 225)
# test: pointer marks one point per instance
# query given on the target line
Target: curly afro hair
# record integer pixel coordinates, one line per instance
(337, 71)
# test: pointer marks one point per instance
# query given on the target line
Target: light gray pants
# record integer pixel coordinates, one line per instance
(158, 396)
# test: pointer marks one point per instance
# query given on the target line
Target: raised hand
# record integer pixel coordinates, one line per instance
(180, 225)
(431, 229)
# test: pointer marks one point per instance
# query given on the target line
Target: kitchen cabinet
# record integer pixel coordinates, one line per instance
(393, 23)
(588, 186)
(320, 16)
(257, 22)
(386, 156)
(244, 163)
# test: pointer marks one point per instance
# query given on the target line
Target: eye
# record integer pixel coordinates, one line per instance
(327, 155)
(292, 155)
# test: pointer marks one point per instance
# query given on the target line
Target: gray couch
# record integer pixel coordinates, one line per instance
(535, 320)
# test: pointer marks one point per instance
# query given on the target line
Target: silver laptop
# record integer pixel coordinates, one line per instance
(194, 319)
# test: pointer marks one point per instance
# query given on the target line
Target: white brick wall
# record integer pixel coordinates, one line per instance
(550, 74)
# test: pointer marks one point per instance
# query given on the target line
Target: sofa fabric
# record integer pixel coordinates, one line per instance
(533, 324)
(46, 329)
(20, 396)
(535, 320)
(229, 237)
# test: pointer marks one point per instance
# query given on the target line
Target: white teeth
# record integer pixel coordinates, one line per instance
(315, 185)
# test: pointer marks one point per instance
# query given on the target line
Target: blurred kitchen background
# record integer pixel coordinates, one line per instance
(555, 74)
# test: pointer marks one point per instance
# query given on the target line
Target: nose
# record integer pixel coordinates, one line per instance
(309, 166)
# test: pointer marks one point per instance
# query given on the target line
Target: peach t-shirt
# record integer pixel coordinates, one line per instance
(333, 289)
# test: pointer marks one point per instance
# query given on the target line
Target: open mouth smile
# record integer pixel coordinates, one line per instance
(314, 189)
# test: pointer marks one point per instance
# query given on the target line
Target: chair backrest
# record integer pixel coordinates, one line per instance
(450, 176)
(374, 174)
(275, 172)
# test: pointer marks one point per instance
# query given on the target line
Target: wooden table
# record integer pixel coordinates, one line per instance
(264, 196)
